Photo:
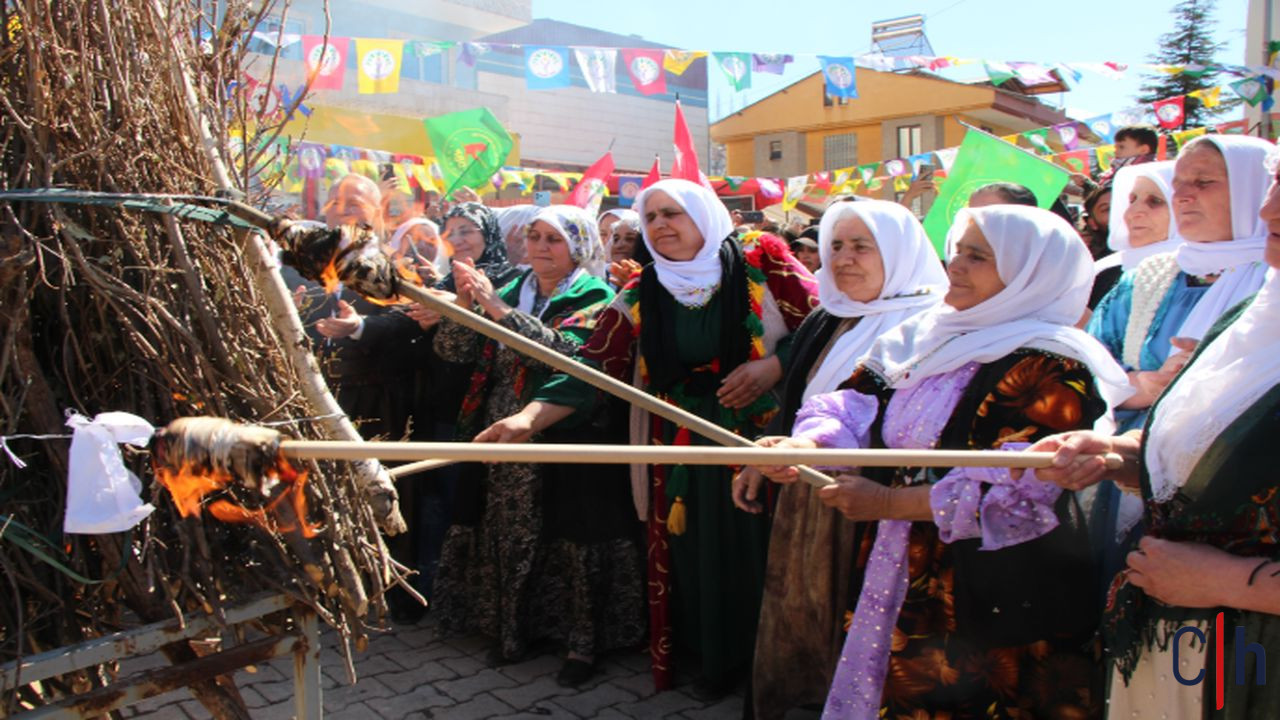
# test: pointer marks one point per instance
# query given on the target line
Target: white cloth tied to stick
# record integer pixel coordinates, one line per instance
(103, 496)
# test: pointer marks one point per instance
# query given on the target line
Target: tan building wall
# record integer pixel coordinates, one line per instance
(887, 102)
(794, 158)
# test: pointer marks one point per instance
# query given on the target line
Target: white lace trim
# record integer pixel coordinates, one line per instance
(1151, 282)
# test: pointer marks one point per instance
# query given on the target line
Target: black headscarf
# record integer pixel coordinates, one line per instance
(493, 261)
(658, 341)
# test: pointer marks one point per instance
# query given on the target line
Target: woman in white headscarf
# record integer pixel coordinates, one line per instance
(1172, 291)
(1205, 465)
(703, 326)
(1142, 222)
(538, 552)
(977, 595)
(1217, 184)
(878, 269)
(513, 221)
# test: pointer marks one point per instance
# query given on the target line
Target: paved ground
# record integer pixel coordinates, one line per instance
(412, 672)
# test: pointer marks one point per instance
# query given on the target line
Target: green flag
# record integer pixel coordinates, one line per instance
(470, 146)
(998, 72)
(1253, 90)
(984, 159)
(736, 67)
(1039, 140)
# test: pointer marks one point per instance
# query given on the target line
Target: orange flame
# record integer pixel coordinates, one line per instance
(284, 513)
(329, 276)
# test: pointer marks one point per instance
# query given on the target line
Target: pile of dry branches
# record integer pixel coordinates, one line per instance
(109, 309)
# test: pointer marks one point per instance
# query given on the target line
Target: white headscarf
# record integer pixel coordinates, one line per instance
(691, 282)
(1047, 275)
(618, 212)
(511, 219)
(1233, 371)
(399, 246)
(395, 244)
(580, 231)
(1126, 178)
(914, 281)
(630, 218)
(1238, 261)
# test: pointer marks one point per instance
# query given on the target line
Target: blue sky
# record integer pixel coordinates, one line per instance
(1082, 31)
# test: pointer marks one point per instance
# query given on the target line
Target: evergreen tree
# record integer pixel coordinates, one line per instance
(1190, 43)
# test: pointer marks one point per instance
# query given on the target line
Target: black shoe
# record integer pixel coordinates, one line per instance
(575, 672)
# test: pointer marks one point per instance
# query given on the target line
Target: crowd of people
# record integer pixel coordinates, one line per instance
(1148, 329)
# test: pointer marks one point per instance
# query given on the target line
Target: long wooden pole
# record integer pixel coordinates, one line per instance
(665, 454)
(591, 376)
(563, 363)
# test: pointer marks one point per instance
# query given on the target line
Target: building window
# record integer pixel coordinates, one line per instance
(909, 141)
(775, 149)
(828, 101)
(839, 151)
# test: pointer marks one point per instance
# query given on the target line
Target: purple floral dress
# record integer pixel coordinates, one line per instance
(961, 617)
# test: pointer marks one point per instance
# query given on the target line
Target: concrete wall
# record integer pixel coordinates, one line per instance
(575, 126)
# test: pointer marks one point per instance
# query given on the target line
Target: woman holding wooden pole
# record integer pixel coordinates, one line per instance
(539, 551)
(976, 591)
(1205, 465)
(878, 270)
(702, 327)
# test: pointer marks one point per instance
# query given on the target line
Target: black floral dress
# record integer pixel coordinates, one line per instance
(539, 552)
(1007, 633)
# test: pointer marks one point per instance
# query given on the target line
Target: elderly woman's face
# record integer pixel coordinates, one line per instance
(1202, 194)
(547, 252)
(465, 237)
(856, 263)
(352, 202)
(1147, 216)
(622, 245)
(670, 229)
(972, 271)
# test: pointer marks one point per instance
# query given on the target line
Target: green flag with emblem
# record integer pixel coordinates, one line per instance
(985, 159)
(470, 146)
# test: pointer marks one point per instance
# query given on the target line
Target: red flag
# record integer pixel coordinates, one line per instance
(328, 64)
(685, 166)
(645, 69)
(590, 190)
(655, 174)
(1077, 161)
(1169, 112)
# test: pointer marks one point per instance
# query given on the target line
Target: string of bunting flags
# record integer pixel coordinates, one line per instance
(378, 63)
(299, 162)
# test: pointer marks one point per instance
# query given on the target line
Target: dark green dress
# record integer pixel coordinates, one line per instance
(1232, 502)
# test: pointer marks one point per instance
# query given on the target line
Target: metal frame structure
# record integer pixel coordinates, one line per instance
(304, 646)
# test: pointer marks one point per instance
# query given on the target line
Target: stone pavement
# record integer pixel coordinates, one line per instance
(413, 672)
